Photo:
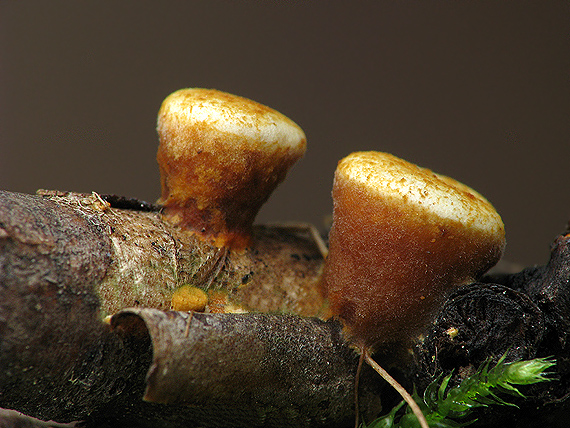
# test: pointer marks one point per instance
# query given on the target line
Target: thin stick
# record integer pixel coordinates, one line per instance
(313, 232)
(405, 395)
(356, 382)
(187, 331)
(220, 261)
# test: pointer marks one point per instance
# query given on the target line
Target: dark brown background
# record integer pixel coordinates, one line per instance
(478, 90)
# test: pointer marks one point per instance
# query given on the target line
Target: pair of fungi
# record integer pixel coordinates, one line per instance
(402, 236)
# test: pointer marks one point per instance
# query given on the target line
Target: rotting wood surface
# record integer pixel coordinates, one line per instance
(150, 259)
(67, 260)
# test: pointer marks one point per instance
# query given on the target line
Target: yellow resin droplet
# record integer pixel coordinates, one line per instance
(188, 298)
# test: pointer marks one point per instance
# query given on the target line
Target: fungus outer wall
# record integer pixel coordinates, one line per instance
(401, 238)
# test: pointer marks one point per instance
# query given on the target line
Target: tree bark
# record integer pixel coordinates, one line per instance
(68, 260)
(149, 259)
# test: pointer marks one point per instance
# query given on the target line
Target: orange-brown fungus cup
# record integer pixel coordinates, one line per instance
(402, 236)
(220, 157)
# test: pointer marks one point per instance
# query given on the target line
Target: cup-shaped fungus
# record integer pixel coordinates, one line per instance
(402, 236)
(220, 157)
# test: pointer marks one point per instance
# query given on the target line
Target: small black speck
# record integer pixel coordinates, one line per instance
(123, 202)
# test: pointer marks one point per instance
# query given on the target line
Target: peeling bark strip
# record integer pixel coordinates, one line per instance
(289, 370)
(13, 419)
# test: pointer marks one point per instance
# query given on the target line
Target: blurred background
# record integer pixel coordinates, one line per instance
(477, 90)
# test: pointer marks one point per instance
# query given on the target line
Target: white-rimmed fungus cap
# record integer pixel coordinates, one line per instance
(220, 157)
(402, 236)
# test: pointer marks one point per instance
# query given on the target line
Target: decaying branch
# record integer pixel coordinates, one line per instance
(68, 260)
(272, 370)
(148, 259)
